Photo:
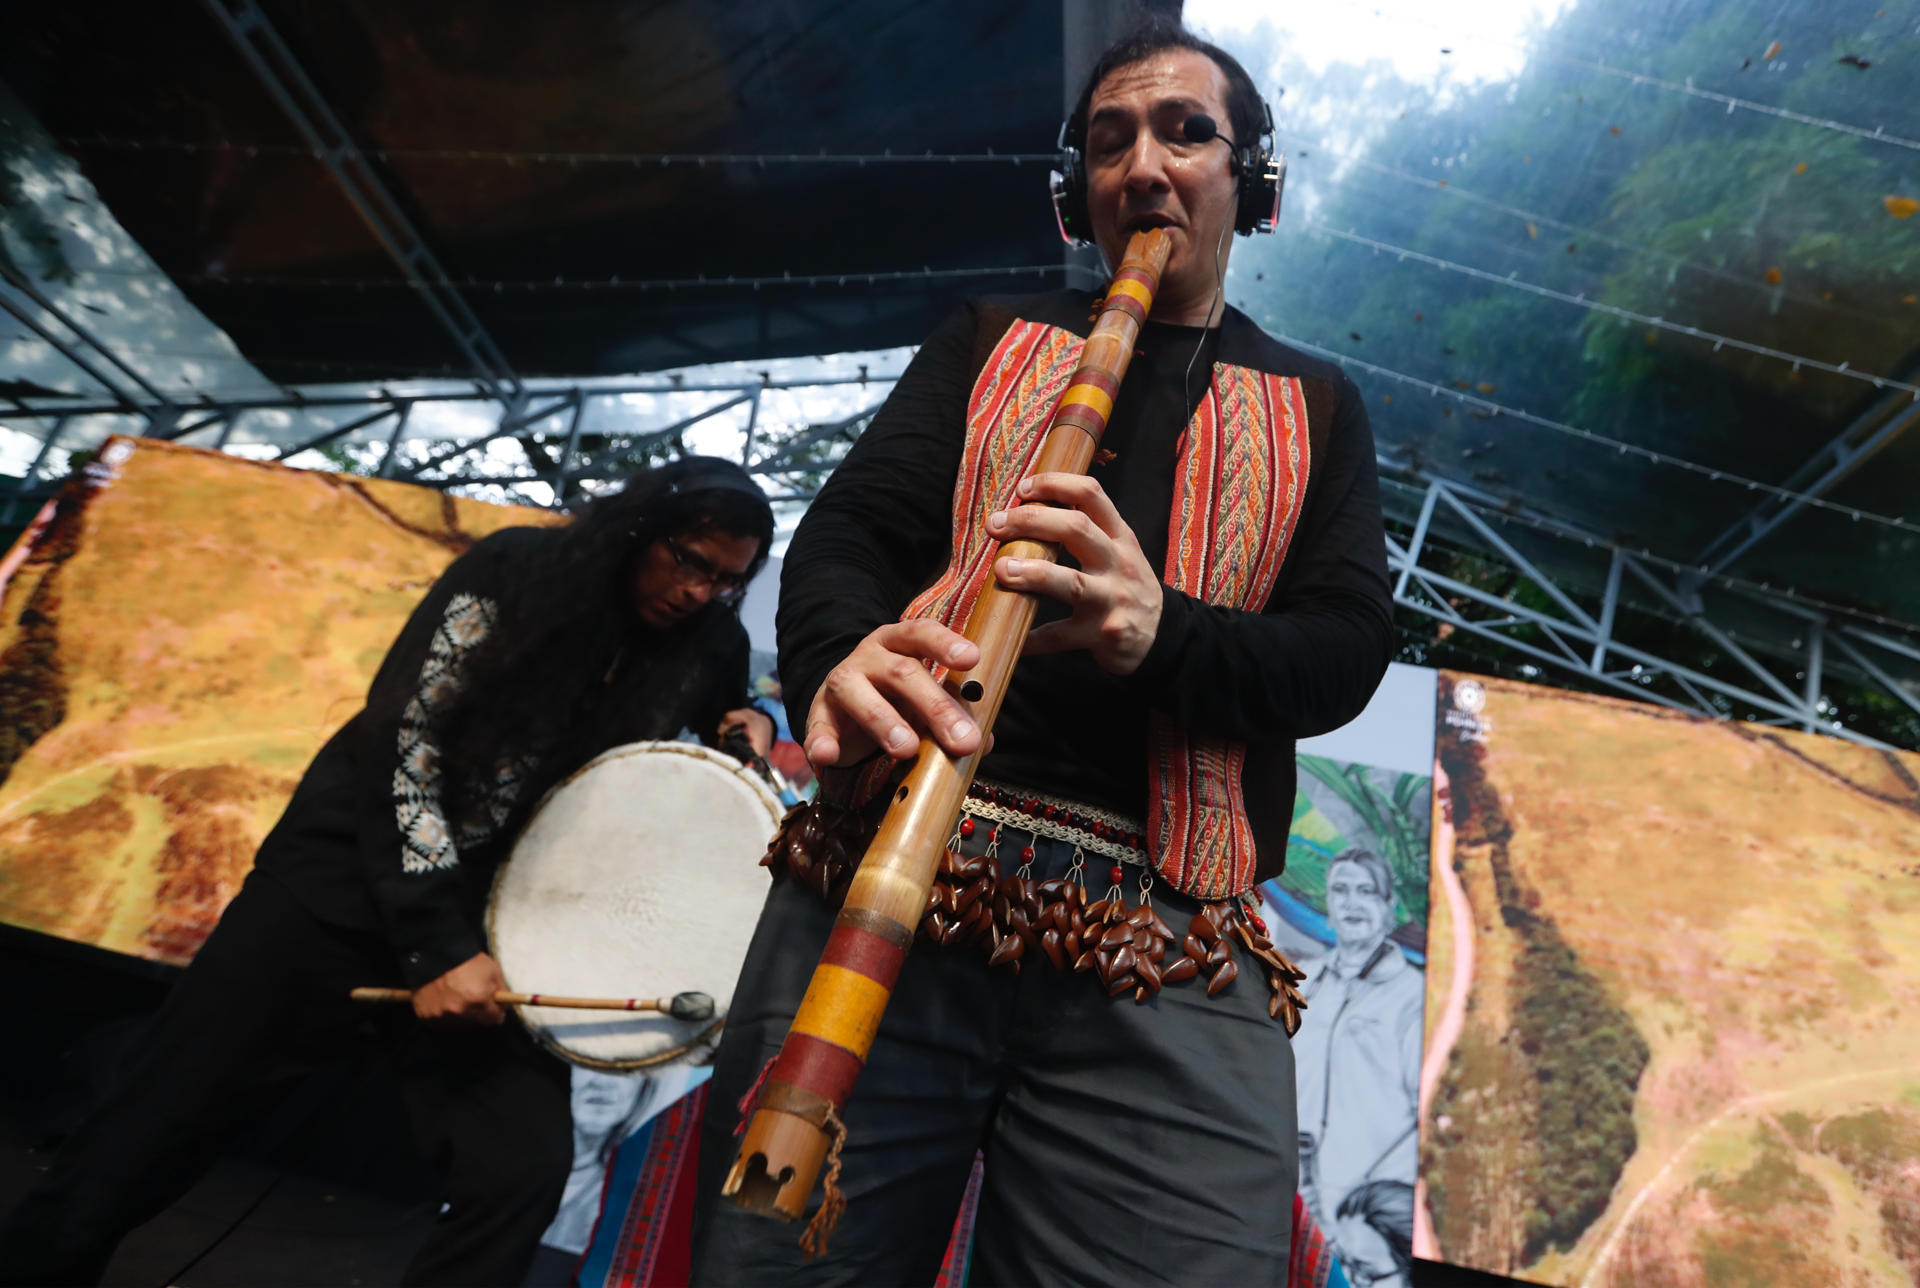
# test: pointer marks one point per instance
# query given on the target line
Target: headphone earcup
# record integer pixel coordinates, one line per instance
(1069, 188)
(1261, 177)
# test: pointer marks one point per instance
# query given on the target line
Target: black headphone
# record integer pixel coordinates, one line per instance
(1261, 170)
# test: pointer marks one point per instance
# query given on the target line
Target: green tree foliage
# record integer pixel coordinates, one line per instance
(1647, 198)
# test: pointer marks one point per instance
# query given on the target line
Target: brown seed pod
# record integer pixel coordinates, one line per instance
(1001, 908)
(1180, 972)
(1096, 910)
(1070, 942)
(1194, 947)
(1203, 929)
(1115, 936)
(1117, 912)
(971, 894)
(1120, 984)
(1124, 958)
(1051, 946)
(1158, 926)
(933, 897)
(1221, 954)
(1149, 973)
(1141, 916)
(1222, 977)
(1008, 950)
(1017, 919)
(1086, 961)
(1142, 938)
(1156, 949)
(1054, 889)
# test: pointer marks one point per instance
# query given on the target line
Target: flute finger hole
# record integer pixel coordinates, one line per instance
(973, 690)
(901, 794)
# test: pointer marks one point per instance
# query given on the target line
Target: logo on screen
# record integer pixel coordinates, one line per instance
(1470, 696)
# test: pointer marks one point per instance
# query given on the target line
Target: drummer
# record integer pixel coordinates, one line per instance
(535, 651)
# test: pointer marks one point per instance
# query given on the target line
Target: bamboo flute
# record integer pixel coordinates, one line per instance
(809, 1082)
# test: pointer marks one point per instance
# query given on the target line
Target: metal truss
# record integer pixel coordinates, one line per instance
(1869, 435)
(447, 462)
(1578, 631)
(1582, 636)
(283, 77)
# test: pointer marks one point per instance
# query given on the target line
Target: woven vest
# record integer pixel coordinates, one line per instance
(1239, 484)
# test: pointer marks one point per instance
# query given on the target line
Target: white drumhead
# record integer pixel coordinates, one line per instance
(638, 876)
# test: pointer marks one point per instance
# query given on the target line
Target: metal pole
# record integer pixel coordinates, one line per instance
(1608, 604)
(393, 441)
(1816, 660)
(561, 482)
(1419, 538)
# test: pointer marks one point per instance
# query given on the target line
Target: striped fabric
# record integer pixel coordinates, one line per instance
(1238, 493)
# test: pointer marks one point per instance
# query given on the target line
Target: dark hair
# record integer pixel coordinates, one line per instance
(1387, 1206)
(568, 596)
(1246, 110)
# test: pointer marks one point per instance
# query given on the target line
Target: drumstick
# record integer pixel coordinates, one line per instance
(681, 1006)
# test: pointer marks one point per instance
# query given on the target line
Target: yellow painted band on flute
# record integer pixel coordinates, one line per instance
(842, 1007)
(1133, 290)
(1090, 396)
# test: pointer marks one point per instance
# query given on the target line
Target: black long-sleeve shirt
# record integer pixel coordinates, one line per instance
(377, 840)
(879, 532)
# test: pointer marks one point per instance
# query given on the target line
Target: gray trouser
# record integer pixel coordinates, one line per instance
(1125, 1144)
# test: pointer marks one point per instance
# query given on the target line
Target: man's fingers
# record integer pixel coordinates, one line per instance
(1054, 637)
(930, 707)
(855, 697)
(1069, 528)
(927, 639)
(1043, 577)
(1081, 492)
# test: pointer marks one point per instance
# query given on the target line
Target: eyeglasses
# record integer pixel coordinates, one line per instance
(695, 569)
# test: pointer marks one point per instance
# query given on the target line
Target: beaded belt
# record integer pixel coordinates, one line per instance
(1013, 917)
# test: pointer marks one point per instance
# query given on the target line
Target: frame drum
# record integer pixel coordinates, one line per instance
(637, 876)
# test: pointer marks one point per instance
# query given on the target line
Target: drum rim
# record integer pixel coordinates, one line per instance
(698, 751)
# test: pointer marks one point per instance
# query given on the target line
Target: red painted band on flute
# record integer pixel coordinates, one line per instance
(1101, 380)
(1128, 305)
(814, 1064)
(859, 949)
(1149, 280)
(1084, 418)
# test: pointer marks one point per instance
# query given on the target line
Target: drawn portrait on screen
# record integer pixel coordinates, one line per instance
(1351, 907)
(606, 1108)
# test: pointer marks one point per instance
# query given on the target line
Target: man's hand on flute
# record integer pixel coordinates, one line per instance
(882, 693)
(1115, 595)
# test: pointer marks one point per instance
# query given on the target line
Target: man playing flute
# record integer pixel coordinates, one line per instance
(1222, 591)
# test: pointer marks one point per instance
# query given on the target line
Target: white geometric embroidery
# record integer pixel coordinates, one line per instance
(420, 806)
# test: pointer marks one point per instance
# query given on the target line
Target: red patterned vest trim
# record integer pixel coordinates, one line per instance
(1240, 483)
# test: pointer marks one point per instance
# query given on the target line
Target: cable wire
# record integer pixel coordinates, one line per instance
(514, 157)
(1587, 435)
(1577, 230)
(1614, 310)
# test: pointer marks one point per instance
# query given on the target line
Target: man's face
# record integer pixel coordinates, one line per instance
(1357, 906)
(1142, 172)
(677, 576)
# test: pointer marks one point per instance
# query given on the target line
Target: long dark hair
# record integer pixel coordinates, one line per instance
(566, 611)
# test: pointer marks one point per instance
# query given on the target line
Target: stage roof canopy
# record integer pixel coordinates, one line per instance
(1629, 278)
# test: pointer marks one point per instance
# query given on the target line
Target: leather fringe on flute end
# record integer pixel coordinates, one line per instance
(813, 1240)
